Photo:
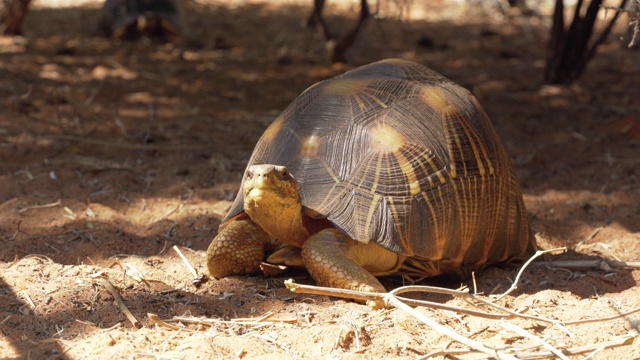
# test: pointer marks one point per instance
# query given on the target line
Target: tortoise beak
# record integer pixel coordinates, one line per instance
(269, 178)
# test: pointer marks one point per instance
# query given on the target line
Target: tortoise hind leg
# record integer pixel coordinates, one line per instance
(333, 259)
(238, 249)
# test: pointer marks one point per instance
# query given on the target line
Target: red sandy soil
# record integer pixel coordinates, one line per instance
(111, 153)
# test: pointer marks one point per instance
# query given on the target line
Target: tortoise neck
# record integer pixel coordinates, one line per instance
(284, 222)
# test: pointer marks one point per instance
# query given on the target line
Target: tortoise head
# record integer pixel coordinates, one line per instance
(270, 187)
(272, 201)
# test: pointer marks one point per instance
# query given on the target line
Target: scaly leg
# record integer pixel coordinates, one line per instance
(238, 249)
(335, 260)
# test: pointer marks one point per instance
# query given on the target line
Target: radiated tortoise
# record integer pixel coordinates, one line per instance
(389, 168)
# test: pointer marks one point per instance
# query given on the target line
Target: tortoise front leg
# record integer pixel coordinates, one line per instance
(238, 249)
(333, 259)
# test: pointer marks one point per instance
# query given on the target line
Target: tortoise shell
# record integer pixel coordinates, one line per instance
(397, 154)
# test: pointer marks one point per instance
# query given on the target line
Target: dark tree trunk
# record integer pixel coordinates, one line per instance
(569, 50)
(12, 14)
(344, 43)
(317, 20)
(338, 46)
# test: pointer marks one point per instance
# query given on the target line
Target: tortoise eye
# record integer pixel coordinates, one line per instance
(249, 175)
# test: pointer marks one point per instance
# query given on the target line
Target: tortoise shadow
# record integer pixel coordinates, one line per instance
(582, 276)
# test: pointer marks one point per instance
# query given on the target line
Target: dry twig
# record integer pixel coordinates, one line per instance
(135, 273)
(595, 264)
(154, 319)
(522, 332)
(526, 264)
(29, 301)
(367, 296)
(107, 285)
(609, 318)
(405, 304)
(196, 279)
(263, 320)
(33, 207)
(623, 340)
(447, 331)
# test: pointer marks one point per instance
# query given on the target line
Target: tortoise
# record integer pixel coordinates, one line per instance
(389, 168)
(132, 19)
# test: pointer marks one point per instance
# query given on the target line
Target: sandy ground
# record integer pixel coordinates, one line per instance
(112, 153)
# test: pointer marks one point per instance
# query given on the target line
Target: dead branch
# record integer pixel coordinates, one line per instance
(593, 264)
(45, 206)
(623, 340)
(376, 297)
(633, 11)
(154, 319)
(619, 316)
(186, 262)
(107, 285)
(406, 305)
(266, 319)
(197, 279)
(524, 333)
(526, 264)
(390, 299)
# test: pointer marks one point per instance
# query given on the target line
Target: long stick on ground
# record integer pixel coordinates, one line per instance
(367, 296)
(186, 262)
(522, 332)
(107, 285)
(446, 331)
(595, 264)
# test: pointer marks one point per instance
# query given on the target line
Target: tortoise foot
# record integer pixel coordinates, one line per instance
(287, 255)
(238, 249)
(335, 260)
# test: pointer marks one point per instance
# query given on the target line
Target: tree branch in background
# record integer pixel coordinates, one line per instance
(338, 46)
(12, 14)
(569, 50)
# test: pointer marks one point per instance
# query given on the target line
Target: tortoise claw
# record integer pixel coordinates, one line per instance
(287, 255)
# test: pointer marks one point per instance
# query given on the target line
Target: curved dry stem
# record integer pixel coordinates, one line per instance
(407, 305)
(526, 264)
(390, 299)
